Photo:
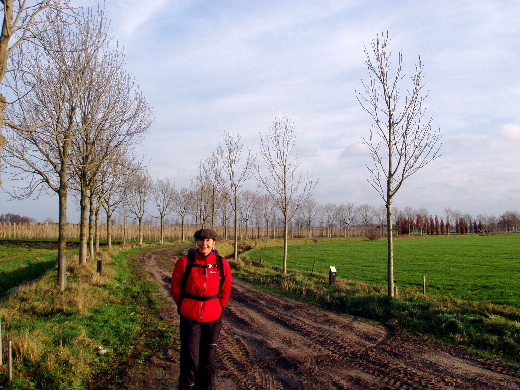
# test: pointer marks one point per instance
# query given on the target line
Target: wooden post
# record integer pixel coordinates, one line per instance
(332, 275)
(100, 267)
(424, 284)
(10, 361)
(1, 349)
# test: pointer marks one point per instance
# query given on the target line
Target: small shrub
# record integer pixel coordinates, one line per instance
(373, 233)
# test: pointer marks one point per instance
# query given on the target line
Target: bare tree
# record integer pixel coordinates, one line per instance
(267, 212)
(181, 205)
(346, 216)
(288, 189)
(40, 149)
(21, 21)
(329, 213)
(309, 211)
(366, 214)
(224, 212)
(138, 192)
(204, 189)
(164, 196)
(400, 143)
(113, 113)
(247, 201)
(113, 179)
(237, 169)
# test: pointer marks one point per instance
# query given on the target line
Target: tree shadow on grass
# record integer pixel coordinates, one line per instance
(12, 279)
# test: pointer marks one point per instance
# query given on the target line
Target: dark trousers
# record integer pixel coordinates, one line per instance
(198, 353)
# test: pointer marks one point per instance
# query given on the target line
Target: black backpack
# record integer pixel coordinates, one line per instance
(189, 265)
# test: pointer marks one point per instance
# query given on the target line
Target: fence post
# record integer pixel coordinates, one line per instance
(424, 284)
(332, 275)
(1, 349)
(10, 361)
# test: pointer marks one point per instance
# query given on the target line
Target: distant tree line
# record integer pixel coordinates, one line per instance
(420, 222)
(15, 218)
(258, 219)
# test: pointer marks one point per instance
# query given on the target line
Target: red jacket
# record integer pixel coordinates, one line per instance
(202, 282)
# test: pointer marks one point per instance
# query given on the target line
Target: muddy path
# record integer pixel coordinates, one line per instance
(269, 342)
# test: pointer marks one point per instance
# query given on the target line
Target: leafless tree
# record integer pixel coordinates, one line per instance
(451, 217)
(330, 215)
(22, 20)
(309, 211)
(113, 112)
(224, 212)
(164, 196)
(288, 189)
(40, 148)
(400, 143)
(366, 214)
(346, 216)
(247, 200)
(138, 193)
(267, 212)
(181, 206)
(113, 180)
(237, 168)
(204, 190)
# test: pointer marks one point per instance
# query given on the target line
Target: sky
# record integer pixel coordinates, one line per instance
(210, 67)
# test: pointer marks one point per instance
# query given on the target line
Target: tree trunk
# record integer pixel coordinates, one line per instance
(62, 232)
(285, 241)
(390, 242)
(124, 230)
(161, 240)
(91, 227)
(140, 231)
(109, 230)
(83, 227)
(96, 229)
(235, 208)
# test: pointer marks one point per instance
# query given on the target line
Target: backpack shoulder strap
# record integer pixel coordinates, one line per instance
(187, 270)
(220, 267)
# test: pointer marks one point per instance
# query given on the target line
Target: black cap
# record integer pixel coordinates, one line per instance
(204, 234)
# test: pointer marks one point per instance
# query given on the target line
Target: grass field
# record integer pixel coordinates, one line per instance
(477, 268)
(20, 264)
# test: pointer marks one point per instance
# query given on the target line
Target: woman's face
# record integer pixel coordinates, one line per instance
(205, 246)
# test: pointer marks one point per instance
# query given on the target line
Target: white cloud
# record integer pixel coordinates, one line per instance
(130, 15)
(510, 132)
(358, 149)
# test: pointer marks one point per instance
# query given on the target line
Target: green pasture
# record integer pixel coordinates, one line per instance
(478, 268)
(20, 264)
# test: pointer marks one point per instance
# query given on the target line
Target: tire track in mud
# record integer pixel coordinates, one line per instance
(301, 346)
(275, 343)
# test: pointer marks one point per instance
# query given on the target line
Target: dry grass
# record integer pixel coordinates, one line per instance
(43, 324)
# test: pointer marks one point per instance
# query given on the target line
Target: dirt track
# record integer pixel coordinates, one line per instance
(278, 343)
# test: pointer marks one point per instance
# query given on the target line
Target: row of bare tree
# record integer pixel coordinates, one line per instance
(259, 216)
(217, 195)
(75, 114)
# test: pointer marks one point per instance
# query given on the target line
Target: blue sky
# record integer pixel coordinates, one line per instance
(207, 67)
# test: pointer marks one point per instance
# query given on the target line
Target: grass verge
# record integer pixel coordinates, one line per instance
(61, 340)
